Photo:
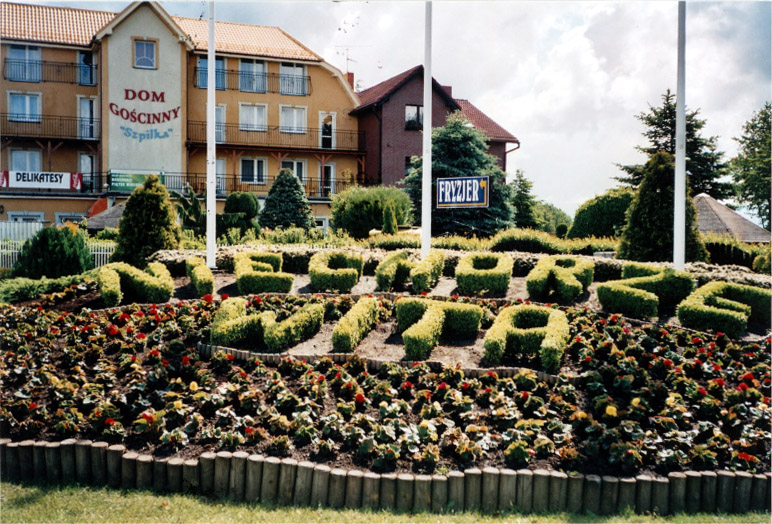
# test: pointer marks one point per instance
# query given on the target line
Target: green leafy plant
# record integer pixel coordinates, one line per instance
(53, 252)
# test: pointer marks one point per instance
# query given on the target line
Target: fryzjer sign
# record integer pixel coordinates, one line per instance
(40, 180)
(471, 191)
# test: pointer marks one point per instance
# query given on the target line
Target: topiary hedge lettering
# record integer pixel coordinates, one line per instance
(393, 271)
(232, 325)
(118, 281)
(644, 289)
(565, 278)
(200, 275)
(300, 326)
(353, 327)
(261, 273)
(422, 323)
(335, 270)
(481, 272)
(526, 330)
(727, 307)
(426, 272)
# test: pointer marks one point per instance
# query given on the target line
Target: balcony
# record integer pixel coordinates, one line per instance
(280, 137)
(249, 82)
(17, 125)
(45, 71)
(315, 186)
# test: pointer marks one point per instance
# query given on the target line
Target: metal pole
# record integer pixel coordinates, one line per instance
(211, 157)
(426, 186)
(679, 208)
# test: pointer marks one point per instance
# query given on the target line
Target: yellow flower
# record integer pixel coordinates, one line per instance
(193, 387)
(611, 411)
(177, 404)
(636, 402)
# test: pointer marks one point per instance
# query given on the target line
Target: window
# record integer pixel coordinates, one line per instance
(253, 117)
(326, 180)
(253, 170)
(220, 75)
(292, 79)
(220, 172)
(292, 119)
(25, 216)
(23, 63)
(297, 167)
(24, 107)
(145, 54)
(75, 218)
(29, 160)
(87, 120)
(86, 68)
(219, 124)
(252, 76)
(87, 167)
(414, 117)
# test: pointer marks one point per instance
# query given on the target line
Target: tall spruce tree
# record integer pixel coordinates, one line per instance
(752, 166)
(705, 165)
(460, 150)
(286, 204)
(523, 201)
(148, 224)
(648, 233)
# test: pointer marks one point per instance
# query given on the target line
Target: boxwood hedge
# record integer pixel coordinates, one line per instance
(300, 326)
(426, 272)
(481, 272)
(261, 273)
(335, 270)
(566, 277)
(644, 290)
(353, 327)
(422, 322)
(200, 275)
(727, 307)
(393, 271)
(232, 326)
(120, 280)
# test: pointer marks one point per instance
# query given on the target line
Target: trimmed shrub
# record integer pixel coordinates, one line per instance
(353, 327)
(484, 272)
(422, 322)
(300, 326)
(335, 270)
(426, 272)
(532, 241)
(200, 275)
(602, 215)
(389, 219)
(644, 290)
(726, 250)
(261, 273)
(761, 263)
(393, 271)
(528, 330)
(53, 252)
(120, 281)
(22, 288)
(357, 210)
(286, 204)
(232, 325)
(565, 277)
(727, 307)
(240, 211)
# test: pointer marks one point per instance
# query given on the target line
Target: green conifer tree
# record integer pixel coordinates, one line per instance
(286, 204)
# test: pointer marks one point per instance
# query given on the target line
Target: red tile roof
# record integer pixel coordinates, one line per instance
(379, 92)
(485, 123)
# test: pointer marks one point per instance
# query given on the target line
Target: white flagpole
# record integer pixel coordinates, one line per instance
(211, 157)
(426, 186)
(679, 209)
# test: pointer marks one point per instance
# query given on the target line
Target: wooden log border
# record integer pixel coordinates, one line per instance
(240, 476)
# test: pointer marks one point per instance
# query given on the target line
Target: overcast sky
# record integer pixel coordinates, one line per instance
(564, 77)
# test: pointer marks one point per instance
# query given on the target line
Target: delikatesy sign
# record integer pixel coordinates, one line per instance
(41, 180)
(470, 191)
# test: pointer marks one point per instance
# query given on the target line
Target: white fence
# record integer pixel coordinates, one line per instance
(101, 250)
(19, 230)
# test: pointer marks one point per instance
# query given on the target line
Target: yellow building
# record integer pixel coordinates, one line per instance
(94, 101)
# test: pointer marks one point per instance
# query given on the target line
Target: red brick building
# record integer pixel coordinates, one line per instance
(391, 116)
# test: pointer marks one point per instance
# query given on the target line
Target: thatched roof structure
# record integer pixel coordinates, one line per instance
(715, 217)
(108, 218)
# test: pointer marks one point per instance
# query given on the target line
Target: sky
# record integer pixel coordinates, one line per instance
(565, 77)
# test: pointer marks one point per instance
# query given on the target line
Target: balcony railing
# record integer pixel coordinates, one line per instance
(45, 71)
(249, 82)
(280, 137)
(24, 125)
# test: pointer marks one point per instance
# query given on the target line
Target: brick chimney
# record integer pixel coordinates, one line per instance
(350, 78)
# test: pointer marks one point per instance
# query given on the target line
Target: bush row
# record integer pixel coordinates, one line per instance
(200, 275)
(232, 326)
(353, 327)
(300, 326)
(723, 306)
(422, 322)
(727, 250)
(484, 272)
(565, 278)
(261, 273)
(533, 241)
(643, 296)
(335, 270)
(527, 330)
(119, 280)
(393, 271)
(426, 272)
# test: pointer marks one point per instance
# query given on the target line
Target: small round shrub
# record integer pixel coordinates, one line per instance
(53, 252)
(241, 210)
(357, 210)
(561, 230)
(108, 233)
(761, 264)
(603, 215)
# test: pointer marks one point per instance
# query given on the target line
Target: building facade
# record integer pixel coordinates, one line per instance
(391, 118)
(95, 101)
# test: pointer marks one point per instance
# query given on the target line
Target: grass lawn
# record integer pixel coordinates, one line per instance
(28, 503)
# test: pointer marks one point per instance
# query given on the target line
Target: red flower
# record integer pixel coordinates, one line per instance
(742, 387)
(124, 317)
(109, 421)
(407, 385)
(744, 456)
(488, 390)
(141, 336)
(428, 395)
(185, 360)
(337, 375)
(702, 391)
(224, 296)
(207, 298)
(697, 362)
(465, 385)
(424, 293)
(360, 398)
(134, 358)
(588, 358)
(147, 416)
(249, 430)
(524, 395)
(229, 356)
(242, 374)
(154, 353)
(33, 406)
(54, 330)
(667, 363)
(696, 340)
(626, 330)
(165, 363)
(719, 382)
(748, 376)
(492, 374)
(578, 340)
(139, 314)
(257, 300)
(442, 386)
(113, 330)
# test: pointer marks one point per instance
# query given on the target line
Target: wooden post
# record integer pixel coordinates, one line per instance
(558, 491)
(128, 470)
(99, 463)
(336, 495)
(759, 492)
(524, 490)
(12, 455)
(174, 474)
(708, 492)
(489, 495)
(354, 489)
(507, 485)
(575, 493)
(405, 488)
(39, 461)
(742, 492)
(303, 483)
(238, 476)
(160, 474)
(541, 491)
(320, 485)
(388, 491)
(206, 464)
(439, 493)
(725, 491)
(53, 462)
(67, 452)
(145, 472)
(222, 473)
(626, 499)
(254, 478)
(660, 496)
(422, 494)
(371, 491)
(677, 502)
(643, 494)
(3, 458)
(592, 494)
(693, 492)
(190, 480)
(456, 491)
(287, 472)
(472, 489)
(83, 461)
(609, 494)
(114, 465)
(269, 488)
